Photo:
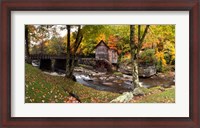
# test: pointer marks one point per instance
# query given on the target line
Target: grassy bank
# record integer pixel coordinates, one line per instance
(156, 95)
(40, 87)
(43, 88)
(167, 96)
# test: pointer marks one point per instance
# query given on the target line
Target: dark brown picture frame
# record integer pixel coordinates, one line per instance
(193, 121)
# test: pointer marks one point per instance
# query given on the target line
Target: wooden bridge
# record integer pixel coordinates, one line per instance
(46, 56)
(58, 62)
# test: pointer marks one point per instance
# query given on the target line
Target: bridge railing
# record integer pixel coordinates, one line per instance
(46, 56)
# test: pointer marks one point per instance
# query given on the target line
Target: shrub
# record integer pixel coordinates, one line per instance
(161, 62)
(148, 56)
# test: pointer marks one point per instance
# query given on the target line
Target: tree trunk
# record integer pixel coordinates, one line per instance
(135, 74)
(42, 47)
(134, 59)
(27, 41)
(72, 66)
(68, 64)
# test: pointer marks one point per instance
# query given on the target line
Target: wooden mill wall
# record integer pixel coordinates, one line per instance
(101, 52)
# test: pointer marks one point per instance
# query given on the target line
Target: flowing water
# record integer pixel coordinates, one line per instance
(115, 83)
(119, 84)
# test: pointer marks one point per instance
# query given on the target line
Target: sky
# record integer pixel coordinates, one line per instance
(62, 33)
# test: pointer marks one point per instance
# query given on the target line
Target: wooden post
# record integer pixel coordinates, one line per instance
(53, 65)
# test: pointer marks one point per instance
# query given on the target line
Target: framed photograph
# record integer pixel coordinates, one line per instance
(124, 63)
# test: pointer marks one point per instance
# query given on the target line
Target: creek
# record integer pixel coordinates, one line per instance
(114, 82)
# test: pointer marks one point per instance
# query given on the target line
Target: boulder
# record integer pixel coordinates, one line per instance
(86, 78)
(138, 91)
(73, 78)
(144, 70)
(111, 77)
(108, 83)
(102, 78)
(118, 81)
(124, 98)
(147, 71)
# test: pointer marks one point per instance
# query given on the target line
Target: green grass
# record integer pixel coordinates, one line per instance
(154, 95)
(40, 87)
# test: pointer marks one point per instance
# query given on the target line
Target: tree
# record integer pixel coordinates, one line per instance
(68, 65)
(92, 34)
(135, 49)
(29, 30)
(27, 40)
(71, 52)
(163, 37)
(40, 35)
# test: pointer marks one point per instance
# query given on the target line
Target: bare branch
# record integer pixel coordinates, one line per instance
(144, 34)
(141, 40)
